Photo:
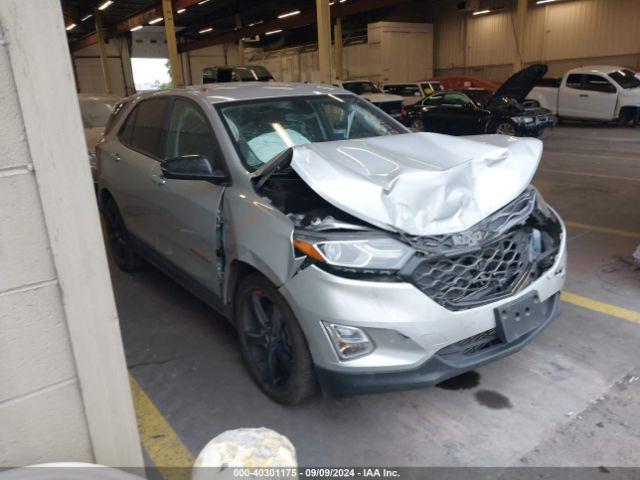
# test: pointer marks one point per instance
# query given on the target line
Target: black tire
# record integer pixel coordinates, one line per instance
(120, 245)
(417, 125)
(272, 343)
(505, 128)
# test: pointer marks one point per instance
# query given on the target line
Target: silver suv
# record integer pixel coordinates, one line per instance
(349, 252)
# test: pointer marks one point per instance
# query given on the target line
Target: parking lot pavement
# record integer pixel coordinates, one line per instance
(569, 398)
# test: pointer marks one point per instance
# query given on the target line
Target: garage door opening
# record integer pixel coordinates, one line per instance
(151, 73)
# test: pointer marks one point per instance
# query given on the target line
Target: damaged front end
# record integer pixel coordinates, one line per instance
(498, 257)
(494, 259)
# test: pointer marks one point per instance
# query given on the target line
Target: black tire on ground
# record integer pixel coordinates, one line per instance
(272, 343)
(119, 240)
(505, 128)
(417, 125)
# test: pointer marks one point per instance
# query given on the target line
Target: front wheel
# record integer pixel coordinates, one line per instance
(417, 125)
(272, 343)
(505, 128)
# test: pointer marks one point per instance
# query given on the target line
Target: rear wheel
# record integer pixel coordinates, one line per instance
(120, 245)
(506, 128)
(272, 343)
(417, 125)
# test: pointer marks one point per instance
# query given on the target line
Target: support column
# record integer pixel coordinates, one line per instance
(324, 40)
(521, 18)
(104, 57)
(241, 60)
(172, 46)
(337, 36)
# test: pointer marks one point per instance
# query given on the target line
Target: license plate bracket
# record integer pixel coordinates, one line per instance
(517, 318)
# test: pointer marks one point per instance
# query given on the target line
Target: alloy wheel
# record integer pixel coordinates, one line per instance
(417, 125)
(268, 341)
(506, 128)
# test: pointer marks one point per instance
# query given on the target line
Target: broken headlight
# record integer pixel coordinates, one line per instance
(355, 252)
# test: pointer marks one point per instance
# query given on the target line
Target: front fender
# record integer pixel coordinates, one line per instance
(257, 234)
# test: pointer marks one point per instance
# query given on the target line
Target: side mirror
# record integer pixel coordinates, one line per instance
(192, 167)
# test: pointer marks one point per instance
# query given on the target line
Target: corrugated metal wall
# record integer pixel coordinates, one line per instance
(563, 34)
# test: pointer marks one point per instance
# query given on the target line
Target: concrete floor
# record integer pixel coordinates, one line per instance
(570, 398)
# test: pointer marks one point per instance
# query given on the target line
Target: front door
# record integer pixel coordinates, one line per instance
(186, 232)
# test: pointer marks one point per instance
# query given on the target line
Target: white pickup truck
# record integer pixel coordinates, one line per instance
(606, 93)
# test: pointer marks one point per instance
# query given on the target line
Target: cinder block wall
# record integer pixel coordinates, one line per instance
(64, 386)
(42, 417)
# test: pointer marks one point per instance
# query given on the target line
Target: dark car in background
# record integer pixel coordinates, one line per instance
(227, 73)
(476, 111)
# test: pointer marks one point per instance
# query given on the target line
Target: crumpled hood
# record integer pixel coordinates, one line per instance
(419, 183)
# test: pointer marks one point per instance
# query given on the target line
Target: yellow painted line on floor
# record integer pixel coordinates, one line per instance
(611, 231)
(594, 175)
(601, 307)
(161, 442)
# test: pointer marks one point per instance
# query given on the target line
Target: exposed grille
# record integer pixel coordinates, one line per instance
(392, 108)
(490, 228)
(497, 257)
(474, 278)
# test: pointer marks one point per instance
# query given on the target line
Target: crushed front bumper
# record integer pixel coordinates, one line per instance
(410, 331)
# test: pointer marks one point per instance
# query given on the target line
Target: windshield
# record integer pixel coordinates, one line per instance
(261, 129)
(95, 113)
(625, 78)
(361, 87)
(432, 87)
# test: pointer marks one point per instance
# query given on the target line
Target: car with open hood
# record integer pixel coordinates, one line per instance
(474, 111)
(348, 252)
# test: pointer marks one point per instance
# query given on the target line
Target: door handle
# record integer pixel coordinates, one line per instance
(584, 95)
(158, 179)
(115, 157)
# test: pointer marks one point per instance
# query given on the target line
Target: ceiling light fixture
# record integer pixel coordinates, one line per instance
(181, 10)
(135, 29)
(255, 23)
(70, 27)
(289, 14)
(155, 20)
(86, 18)
(481, 12)
(105, 5)
(540, 2)
(273, 32)
(205, 30)
(203, 2)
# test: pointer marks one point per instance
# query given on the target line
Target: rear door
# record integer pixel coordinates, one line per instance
(458, 115)
(129, 162)
(186, 228)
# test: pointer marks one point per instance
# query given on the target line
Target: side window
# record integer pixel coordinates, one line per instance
(143, 130)
(596, 83)
(455, 100)
(189, 133)
(574, 81)
(392, 89)
(115, 115)
(433, 100)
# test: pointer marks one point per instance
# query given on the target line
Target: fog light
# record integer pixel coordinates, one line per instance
(349, 342)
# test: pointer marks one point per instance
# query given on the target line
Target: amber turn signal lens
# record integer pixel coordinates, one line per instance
(308, 249)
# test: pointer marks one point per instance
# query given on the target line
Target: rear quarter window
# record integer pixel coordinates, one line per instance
(144, 129)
